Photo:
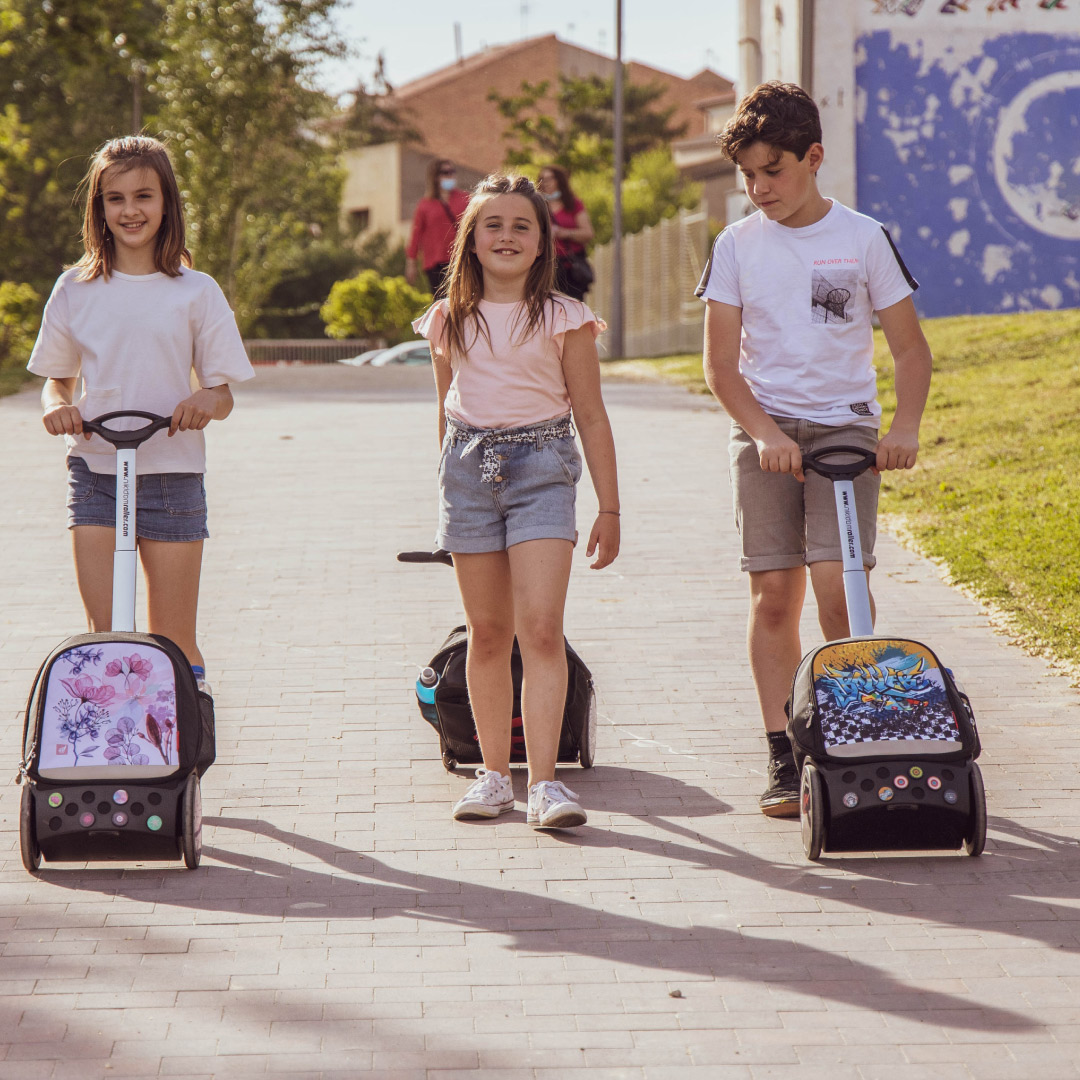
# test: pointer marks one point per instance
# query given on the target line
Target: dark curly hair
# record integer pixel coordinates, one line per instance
(780, 115)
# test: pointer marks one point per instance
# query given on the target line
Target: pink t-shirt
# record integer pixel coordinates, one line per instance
(510, 382)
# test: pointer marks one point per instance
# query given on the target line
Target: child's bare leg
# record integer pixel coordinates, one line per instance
(172, 572)
(827, 580)
(484, 581)
(92, 546)
(540, 573)
(776, 599)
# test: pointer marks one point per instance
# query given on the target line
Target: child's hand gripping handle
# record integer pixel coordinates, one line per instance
(842, 474)
(126, 440)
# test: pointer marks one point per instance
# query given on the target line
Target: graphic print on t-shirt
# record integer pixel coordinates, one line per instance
(830, 295)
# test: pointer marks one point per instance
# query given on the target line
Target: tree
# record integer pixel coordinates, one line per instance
(371, 118)
(580, 136)
(253, 152)
(372, 305)
(20, 315)
(66, 67)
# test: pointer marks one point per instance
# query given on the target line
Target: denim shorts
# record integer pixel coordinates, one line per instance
(168, 506)
(495, 493)
(783, 523)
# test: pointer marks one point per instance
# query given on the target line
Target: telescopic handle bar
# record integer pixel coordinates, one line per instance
(124, 440)
(839, 470)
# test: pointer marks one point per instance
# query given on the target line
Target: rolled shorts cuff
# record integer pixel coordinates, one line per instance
(754, 564)
(539, 532)
(470, 545)
(830, 555)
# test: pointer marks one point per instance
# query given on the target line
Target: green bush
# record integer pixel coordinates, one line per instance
(20, 316)
(370, 305)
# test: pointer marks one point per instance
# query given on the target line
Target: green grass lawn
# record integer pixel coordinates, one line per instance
(996, 493)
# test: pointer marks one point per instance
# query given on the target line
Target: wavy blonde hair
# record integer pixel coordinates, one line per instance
(131, 152)
(465, 276)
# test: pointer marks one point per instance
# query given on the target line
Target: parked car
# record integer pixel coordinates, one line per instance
(408, 352)
(362, 359)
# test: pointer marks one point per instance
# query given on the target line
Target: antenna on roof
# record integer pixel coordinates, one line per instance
(457, 43)
(524, 18)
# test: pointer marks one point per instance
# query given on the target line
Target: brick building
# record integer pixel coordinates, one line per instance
(452, 114)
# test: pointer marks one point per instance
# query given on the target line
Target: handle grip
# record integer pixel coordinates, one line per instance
(123, 440)
(436, 556)
(839, 470)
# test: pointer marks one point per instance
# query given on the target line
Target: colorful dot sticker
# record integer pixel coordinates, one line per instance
(56, 799)
(120, 819)
(153, 823)
(915, 771)
(900, 781)
(950, 796)
(850, 799)
(87, 819)
(120, 797)
(884, 793)
(933, 783)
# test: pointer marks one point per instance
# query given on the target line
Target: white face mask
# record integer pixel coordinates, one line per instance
(447, 183)
(551, 196)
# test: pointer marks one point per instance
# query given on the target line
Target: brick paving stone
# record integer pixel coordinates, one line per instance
(342, 924)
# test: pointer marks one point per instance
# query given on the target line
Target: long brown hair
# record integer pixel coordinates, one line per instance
(131, 152)
(562, 178)
(466, 277)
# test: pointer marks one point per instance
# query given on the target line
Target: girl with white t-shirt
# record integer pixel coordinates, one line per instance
(133, 321)
(514, 362)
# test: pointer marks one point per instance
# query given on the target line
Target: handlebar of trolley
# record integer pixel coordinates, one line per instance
(436, 556)
(839, 470)
(124, 440)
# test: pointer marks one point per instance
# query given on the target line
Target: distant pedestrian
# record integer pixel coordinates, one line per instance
(516, 368)
(435, 225)
(572, 230)
(791, 292)
(134, 322)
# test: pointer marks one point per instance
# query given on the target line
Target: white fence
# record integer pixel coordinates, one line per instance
(661, 268)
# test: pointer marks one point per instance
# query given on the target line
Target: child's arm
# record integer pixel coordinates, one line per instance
(913, 364)
(206, 404)
(723, 333)
(443, 376)
(61, 417)
(581, 369)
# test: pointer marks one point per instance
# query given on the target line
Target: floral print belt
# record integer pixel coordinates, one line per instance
(487, 439)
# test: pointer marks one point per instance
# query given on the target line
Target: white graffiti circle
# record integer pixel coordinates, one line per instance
(1051, 205)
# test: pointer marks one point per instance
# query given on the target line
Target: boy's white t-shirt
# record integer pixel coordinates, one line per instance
(807, 296)
(508, 381)
(135, 340)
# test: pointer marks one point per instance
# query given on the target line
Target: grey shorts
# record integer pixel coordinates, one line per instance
(783, 523)
(529, 492)
(168, 506)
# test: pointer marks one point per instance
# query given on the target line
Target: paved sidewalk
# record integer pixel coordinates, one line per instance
(342, 925)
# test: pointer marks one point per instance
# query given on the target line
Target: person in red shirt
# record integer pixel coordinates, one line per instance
(435, 225)
(571, 228)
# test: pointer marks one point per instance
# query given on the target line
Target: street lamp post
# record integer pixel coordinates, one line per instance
(616, 322)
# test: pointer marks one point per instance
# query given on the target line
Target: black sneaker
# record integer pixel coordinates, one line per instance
(781, 797)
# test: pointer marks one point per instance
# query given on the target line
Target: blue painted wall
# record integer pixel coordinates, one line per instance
(974, 165)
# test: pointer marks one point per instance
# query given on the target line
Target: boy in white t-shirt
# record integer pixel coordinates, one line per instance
(790, 293)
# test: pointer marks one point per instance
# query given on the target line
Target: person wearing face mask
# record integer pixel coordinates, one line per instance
(435, 225)
(572, 230)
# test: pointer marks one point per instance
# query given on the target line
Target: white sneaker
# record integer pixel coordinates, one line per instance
(552, 806)
(489, 795)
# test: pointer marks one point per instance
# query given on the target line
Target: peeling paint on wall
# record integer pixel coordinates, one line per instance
(968, 146)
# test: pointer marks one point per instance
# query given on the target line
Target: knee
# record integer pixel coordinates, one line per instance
(774, 606)
(489, 640)
(542, 637)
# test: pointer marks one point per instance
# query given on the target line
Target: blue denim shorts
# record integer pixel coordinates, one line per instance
(168, 506)
(495, 493)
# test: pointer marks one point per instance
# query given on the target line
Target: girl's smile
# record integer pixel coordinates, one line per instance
(134, 209)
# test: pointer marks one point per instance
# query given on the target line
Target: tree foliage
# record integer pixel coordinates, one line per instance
(20, 312)
(371, 305)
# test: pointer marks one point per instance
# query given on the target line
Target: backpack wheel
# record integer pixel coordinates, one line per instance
(31, 853)
(587, 753)
(449, 761)
(191, 823)
(975, 838)
(812, 811)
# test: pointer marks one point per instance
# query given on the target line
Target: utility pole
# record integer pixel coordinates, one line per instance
(616, 321)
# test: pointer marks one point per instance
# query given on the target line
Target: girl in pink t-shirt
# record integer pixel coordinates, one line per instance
(516, 370)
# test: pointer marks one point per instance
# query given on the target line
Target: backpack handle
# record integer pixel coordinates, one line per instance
(123, 440)
(839, 470)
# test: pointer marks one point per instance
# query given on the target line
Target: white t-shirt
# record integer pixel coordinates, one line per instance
(807, 296)
(135, 340)
(509, 382)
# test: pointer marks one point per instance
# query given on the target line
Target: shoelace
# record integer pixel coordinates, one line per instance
(554, 791)
(485, 786)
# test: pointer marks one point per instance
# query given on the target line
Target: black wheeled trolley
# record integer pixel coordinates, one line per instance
(884, 738)
(117, 732)
(443, 698)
